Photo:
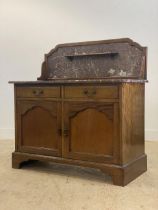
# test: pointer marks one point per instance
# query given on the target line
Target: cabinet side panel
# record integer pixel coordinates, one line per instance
(132, 121)
(15, 119)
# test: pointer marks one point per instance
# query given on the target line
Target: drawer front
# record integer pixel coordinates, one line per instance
(38, 92)
(91, 92)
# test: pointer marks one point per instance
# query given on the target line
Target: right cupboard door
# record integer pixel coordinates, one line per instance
(91, 131)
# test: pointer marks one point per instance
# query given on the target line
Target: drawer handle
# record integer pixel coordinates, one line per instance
(38, 92)
(66, 132)
(90, 93)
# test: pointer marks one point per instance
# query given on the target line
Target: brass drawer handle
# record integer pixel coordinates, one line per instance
(89, 93)
(38, 92)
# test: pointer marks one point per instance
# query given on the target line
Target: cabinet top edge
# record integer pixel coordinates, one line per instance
(70, 81)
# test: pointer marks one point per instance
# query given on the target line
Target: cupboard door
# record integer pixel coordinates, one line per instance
(91, 131)
(38, 126)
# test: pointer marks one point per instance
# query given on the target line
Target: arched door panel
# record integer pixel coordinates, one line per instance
(39, 126)
(91, 131)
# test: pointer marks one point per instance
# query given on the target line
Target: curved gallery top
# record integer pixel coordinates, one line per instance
(107, 59)
(115, 60)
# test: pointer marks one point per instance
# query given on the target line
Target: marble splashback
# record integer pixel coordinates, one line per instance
(121, 58)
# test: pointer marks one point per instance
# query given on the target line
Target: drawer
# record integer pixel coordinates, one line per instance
(38, 92)
(91, 92)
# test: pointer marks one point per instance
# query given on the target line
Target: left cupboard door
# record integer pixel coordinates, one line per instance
(38, 127)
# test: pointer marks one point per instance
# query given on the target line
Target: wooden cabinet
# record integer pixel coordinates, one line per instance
(102, 128)
(87, 109)
(90, 128)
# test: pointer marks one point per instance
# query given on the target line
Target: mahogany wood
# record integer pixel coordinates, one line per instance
(87, 121)
(92, 131)
(86, 130)
(121, 175)
(38, 127)
(38, 92)
(91, 92)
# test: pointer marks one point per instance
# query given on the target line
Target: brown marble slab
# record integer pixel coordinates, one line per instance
(118, 58)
